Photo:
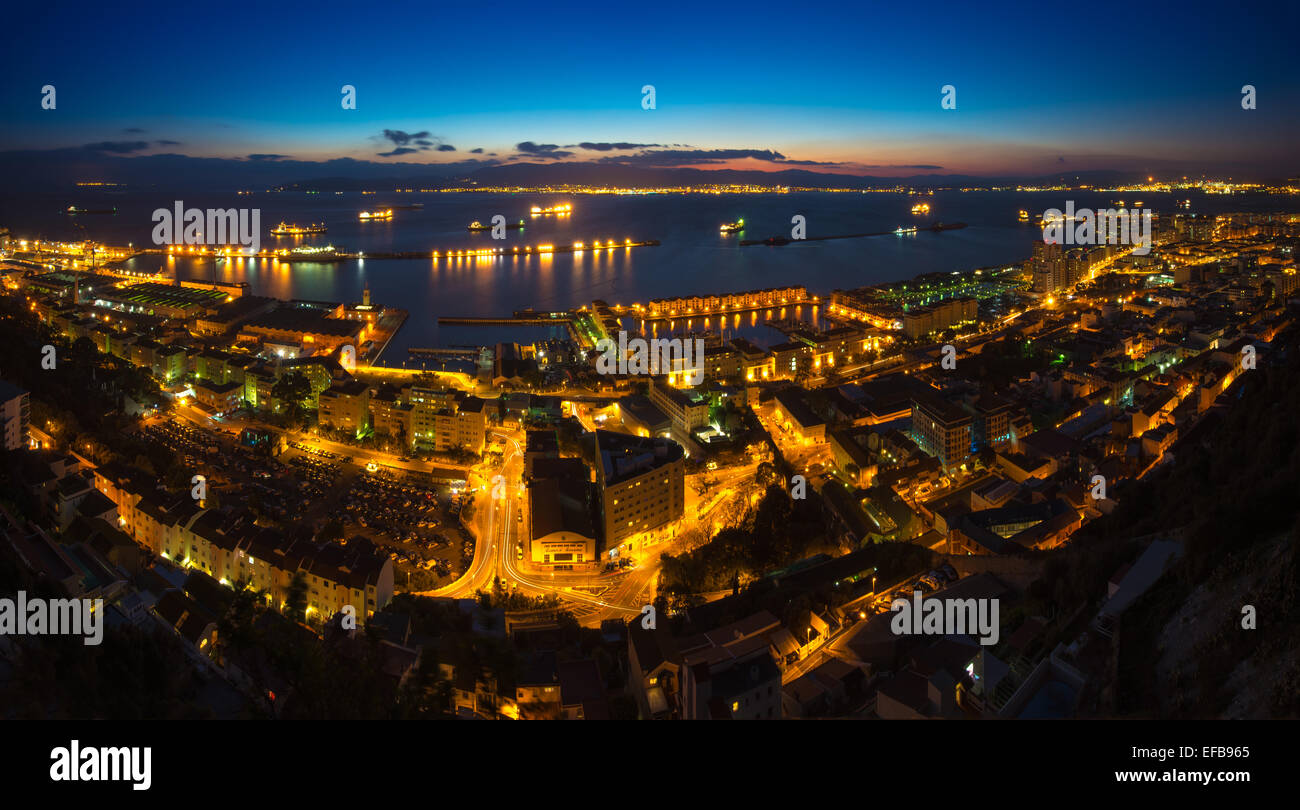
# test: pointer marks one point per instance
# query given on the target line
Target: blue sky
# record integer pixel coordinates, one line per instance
(1041, 87)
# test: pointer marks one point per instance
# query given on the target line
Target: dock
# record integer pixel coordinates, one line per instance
(513, 321)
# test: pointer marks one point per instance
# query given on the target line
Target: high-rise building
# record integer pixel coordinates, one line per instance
(1047, 267)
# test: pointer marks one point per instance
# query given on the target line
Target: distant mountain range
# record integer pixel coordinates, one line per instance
(62, 169)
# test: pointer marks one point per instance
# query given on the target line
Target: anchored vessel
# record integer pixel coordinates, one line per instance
(921, 208)
(72, 209)
(298, 230)
(565, 208)
(510, 226)
(733, 227)
(386, 213)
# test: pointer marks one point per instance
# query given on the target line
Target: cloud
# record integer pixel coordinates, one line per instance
(400, 138)
(609, 147)
(267, 157)
(133, 130)
(477, 151)
(446, 147)
(168, 143)
(401, 150)
(117, 147)
(696, 157)
(542, 149)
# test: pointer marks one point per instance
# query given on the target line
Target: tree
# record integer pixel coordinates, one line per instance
(295, 602)
(802, 369)
(292, 389)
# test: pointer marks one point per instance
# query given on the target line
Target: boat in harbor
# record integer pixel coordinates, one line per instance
(733, 227)
(1024, 215)
(378, 214)
(921, 208)
(510, 226)
(284, 229)
(74, 210)
(772, 241)
(564, 208)
(407, 207)
(307, 253)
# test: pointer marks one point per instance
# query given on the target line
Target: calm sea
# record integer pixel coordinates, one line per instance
(692, 259)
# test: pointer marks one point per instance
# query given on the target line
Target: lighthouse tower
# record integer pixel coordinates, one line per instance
(365, 295)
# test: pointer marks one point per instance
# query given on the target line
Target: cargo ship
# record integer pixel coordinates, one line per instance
(921, 208)
(566, 208)
(733, 227)
(74, 210)
(510, 226)
(386, 213)
(1024, 215)
(325, 253)
(407, 207)
(298, 230)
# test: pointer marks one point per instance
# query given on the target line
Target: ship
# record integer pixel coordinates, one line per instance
(407, 207)
(325, 253)
(733, 227)
(946, 226)
(298, 230)
(772, 241)
(386, 213)
(1024, 215)
(510, 226)
(1044, 222)
(74, 210)
(921, 208)
(565, 208)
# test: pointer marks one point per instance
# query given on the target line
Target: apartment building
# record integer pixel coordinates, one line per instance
(642, 484)
(346, 406)
(15, 410)
(941, 428)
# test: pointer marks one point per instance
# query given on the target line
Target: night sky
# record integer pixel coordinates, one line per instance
(1041, 88)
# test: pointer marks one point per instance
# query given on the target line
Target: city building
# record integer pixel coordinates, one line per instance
(642, 484)
(941, 428)
(345, 406)
(562, 513)
(15, 410)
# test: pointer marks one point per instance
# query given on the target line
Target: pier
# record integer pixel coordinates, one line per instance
(698, 306)
(420, 351)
